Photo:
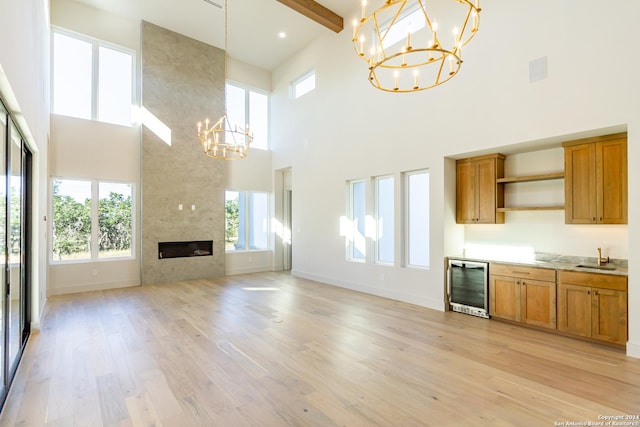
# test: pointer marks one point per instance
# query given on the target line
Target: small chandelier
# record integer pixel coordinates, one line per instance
(404, 44)
(221, 140)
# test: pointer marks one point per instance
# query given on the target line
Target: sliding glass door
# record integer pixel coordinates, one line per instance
(3, 244)
(15, 231)
(15, 170)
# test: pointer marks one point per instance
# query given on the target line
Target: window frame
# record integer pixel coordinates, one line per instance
(351, 246)
(406, 235)
(96, 44)
(406, 15)
(247, 221)
(95, 227)
(247, 109)
(295, 82)
(376, 208)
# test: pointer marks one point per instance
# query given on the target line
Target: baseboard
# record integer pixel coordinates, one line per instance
(384, 293)
(633, 350)
(92, 287)
(247, 270)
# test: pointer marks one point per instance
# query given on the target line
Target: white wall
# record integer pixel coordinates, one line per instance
(114, 154)
(248, 75)
(253, 173)
(345, 129)
(87, 20)
(544, 231)
(111, 153)
(24, 86)
(93, 150)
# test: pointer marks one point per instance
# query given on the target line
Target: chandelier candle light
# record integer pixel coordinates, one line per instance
(221, 140)
(408, 50)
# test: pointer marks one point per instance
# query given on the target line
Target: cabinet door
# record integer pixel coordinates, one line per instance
(574, 309)
(504, 297)
(609, 315)
(465, 193)
(580, 184)
(486, 191)
(611, 181)
(538, 303)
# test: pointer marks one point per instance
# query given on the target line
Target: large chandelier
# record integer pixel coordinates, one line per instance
(221, 140)
(412, 45)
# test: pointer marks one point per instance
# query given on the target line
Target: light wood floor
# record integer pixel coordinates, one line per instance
(232, 352)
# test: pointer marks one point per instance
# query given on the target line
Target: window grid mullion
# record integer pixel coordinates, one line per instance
(95, 80)
(95, 227)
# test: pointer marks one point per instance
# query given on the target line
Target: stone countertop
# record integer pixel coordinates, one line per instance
(560, 262)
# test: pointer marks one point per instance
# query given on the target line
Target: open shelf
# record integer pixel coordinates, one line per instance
(529, 178)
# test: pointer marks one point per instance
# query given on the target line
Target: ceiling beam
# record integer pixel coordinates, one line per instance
(316, 12)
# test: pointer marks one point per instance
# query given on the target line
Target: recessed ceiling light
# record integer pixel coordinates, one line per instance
(282, 34)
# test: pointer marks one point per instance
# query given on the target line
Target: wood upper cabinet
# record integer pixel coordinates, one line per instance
(478, 196)
(596, 180)
(593, 305)
(523, 294)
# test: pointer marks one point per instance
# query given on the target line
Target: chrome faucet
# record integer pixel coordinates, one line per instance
(600, 259)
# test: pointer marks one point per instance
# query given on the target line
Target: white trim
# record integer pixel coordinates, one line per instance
(96, 44)
(633, 350)
(92, 287)
(350, 247)
(95, 198)
(300, 79)
(247, 107)
(405, 217)
(376, 205)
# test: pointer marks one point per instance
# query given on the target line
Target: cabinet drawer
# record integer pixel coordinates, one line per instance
(534, 273)
(594, 280)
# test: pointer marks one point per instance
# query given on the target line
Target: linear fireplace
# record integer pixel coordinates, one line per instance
(185, 249)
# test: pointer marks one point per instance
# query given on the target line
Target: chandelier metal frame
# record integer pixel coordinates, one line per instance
(221, 140)
(389, 65)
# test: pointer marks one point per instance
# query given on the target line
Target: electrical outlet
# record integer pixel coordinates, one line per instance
(94, 272)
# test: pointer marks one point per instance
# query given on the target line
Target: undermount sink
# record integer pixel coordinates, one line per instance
(597, 267)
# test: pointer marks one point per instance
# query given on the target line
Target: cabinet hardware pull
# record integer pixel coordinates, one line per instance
(521, 272)
(588, 292)
(595, 293)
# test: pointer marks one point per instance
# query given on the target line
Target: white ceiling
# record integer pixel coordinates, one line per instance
(253, 25)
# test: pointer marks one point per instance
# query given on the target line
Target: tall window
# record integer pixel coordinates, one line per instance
(417, 218)
(357, 216)
(385, 223)
(91, 220)
(249, 107)
(91, 79)
(246, 221)
(115, 220)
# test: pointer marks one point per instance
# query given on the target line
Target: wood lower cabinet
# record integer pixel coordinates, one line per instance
(538, 303)
(523, 294)
(593, 305)
(478, 195)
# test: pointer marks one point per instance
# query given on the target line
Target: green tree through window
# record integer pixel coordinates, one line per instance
(114, 221)
(71, 225)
